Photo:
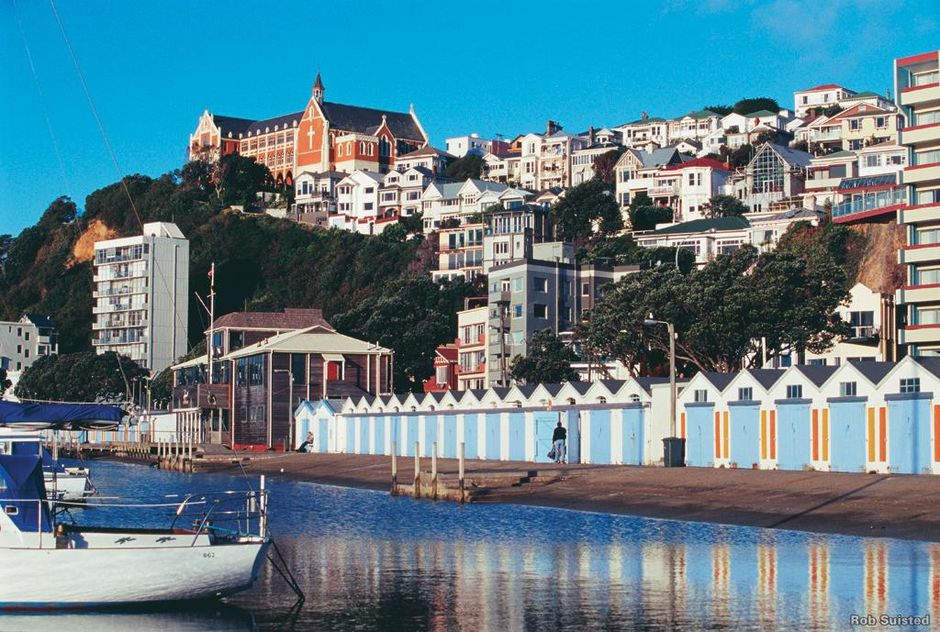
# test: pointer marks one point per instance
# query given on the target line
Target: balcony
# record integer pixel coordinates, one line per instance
(927, 91)
(869, 205)
(124, 339)
(201, 396)
(929, 293)
(920, 213)
(919, 335)
(921, 173)
(920, 253)
(663, 191)
(926, 132)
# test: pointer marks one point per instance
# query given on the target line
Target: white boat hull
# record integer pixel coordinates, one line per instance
(40, 578)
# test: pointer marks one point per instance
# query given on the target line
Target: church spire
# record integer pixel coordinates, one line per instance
(318, 89)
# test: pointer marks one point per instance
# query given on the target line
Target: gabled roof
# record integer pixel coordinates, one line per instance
(766, 377)
(580, 387)
(427, 150)
(718, 380)
(646, 383)
(823, 87)
(860, 109)
(290, 318)
(40, 320)
(700, 114)
(716, 224)
(931, 364)
(448, 352)
(816, 373)
(227, 124)
(281, 122)
(711, 163)
(790, 156)
(874, 372)
(353, 118)
(761, 114)
(314, 339)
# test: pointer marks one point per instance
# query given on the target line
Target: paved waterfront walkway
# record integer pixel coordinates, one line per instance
(897, 506)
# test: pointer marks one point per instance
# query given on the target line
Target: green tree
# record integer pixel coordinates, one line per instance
(395, 232)
(724, 206)
(412, 318)
(604, 166)
(755, 104)
(5, 381)
(80, 377)
(237, 179)
(720, 110)
(469, 166)
(547, 360)
(646, 217)
(584, 207)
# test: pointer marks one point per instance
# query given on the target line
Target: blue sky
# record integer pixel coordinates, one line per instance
(488, 67)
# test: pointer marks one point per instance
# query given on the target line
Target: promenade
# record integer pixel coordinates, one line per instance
(895, 506)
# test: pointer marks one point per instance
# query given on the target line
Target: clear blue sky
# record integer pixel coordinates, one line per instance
(488, 67)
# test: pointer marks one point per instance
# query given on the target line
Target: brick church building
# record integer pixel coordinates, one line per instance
(325, 136)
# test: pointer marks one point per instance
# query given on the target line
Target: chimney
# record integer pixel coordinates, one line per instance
(591, 134)
(551, 127)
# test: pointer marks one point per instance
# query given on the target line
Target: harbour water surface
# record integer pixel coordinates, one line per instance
(370, 561)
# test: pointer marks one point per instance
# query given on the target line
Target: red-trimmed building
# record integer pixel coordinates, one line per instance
(324, 136)
(445, 371)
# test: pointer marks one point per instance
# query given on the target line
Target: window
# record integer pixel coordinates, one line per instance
(847, 389)
(634, 397)
(517, 311)
(794, 391)
(862, 324)
(855, 124)
(745, 393)
(910, 385)
(585, 289)
(539, 310)
(441, 375)
(701, 395)
(541, 284)
(518, 284)
(881, 122)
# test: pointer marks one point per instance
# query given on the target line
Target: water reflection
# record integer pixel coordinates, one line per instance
(369, 561)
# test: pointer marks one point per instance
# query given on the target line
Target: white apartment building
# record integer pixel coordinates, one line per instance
(357, 204)
(25, 340)
(141, 296)
(460, 146)
(822, 96)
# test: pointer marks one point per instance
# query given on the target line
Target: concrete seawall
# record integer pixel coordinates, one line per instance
(874, 505)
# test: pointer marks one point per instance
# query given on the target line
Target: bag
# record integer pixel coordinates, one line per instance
(551, 453)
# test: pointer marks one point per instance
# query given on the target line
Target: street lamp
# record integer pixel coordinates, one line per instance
(672, 443)
(290, 401)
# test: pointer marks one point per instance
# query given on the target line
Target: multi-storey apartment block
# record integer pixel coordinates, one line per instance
(141, 296)
(917, 89)
(472, 333)
(23, 341)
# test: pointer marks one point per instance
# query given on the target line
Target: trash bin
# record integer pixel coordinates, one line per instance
(673, 452)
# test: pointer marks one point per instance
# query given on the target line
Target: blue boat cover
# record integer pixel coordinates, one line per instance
(23, 488)
(59, 416)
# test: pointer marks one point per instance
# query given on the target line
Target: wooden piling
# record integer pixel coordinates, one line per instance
(417, 490)
(434, 470)
(460, 478)
(394, 469)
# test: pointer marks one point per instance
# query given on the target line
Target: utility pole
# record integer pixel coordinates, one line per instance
(211, 345)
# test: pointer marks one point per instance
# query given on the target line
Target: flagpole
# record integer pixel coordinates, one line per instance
(210, 349)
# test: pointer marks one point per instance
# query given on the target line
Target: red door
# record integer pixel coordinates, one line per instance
(332, 370)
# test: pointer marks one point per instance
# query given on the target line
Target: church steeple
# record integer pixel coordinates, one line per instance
(318, 89)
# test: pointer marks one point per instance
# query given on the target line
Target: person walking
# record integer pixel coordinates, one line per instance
(558, 442)
(307, 444)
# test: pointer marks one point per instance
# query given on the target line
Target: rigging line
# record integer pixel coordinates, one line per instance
(94, 111)
(42, 102)
(107, 142)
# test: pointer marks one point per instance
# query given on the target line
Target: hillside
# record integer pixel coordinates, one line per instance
(262, 263)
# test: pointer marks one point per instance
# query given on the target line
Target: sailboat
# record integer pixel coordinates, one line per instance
(218, 552)
(65, 482)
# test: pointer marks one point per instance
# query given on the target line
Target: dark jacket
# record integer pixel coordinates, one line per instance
(560, 433)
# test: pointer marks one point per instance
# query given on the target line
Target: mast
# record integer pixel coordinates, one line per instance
(211, 347)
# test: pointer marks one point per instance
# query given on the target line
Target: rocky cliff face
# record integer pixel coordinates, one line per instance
(878, 266)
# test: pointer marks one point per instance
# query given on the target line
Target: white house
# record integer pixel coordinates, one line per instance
(822, 96)
(357, 204)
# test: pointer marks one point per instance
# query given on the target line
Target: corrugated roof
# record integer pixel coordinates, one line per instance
(311, 340)
(290, 318)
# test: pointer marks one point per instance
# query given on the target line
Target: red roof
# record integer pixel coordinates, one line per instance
(448, 352)
(702, 162)
(825, 86)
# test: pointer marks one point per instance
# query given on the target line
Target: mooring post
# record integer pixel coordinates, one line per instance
(394, 469)
(417, 469)
(460, 472)
(434, 470)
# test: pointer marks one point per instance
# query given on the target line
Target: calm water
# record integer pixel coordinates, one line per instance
(369, 561)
